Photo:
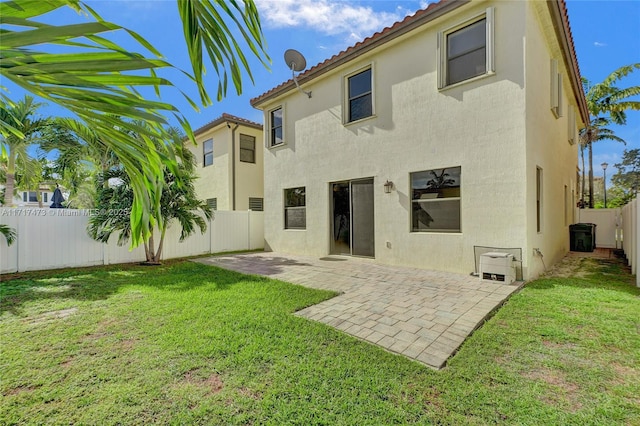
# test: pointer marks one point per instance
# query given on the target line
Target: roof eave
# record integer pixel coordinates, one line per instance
(434, 11)
(559, 16)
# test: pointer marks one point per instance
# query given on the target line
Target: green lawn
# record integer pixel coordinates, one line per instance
(187, 343)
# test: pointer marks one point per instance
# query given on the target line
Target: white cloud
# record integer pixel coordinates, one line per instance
(326, 16)
(599, 44)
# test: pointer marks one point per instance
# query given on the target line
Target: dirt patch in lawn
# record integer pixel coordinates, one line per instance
(565, 392)
(213, 382)
(47, 317)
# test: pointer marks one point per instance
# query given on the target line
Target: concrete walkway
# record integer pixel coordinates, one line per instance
(424, 315)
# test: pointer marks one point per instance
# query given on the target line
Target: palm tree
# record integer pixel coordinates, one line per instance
(607, 105)
(179, 202)
(95, 79)
(8, 233)
(22, 116)
(81, 155)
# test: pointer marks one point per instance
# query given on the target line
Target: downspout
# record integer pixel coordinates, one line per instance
(233, 165)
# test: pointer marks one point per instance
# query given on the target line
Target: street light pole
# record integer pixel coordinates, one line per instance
(604, 169)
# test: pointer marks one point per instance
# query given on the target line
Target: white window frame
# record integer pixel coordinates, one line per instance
(205, 152)
(556, 89)
(269, 136)
(434, 200)
(345, 96)
(303, 208)
(573, 127)
(489, 16)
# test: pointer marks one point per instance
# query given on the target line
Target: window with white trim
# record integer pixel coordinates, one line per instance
(466, 50)
(247, 148)
(359, 95)
(276, 132)
(295, 208)
(30, 197)
(556, 89)
(572, 131)
(435, 200)
(207, 153)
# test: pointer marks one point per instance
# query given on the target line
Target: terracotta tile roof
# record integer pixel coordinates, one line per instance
(572, 60)
(433, 11)
(422, 16)
(227, 118)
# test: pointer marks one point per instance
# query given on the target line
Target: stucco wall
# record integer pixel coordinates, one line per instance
(498, 129)
(478, 125)
(547, 146)
(214, 181)
(249, 176)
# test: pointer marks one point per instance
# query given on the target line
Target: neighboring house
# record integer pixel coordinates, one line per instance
(229, 163)
(454, 128)
(29, 198)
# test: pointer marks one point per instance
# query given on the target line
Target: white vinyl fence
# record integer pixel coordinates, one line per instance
(631, 235)
(608, 225)
(57, 238)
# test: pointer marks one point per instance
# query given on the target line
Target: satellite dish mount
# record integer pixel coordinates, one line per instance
(296, 62)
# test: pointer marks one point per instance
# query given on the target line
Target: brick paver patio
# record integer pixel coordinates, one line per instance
(422, 314)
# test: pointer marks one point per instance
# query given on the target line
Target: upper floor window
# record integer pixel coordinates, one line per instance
(360, 96)
(467, 50)
(207, 150)
(276, 136)
(556, 89)
(435, 200)
(247, 149)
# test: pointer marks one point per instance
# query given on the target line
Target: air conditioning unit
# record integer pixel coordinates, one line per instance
(497, 268)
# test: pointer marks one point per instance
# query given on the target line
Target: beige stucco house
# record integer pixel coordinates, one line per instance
(229, 163)
(453, 128)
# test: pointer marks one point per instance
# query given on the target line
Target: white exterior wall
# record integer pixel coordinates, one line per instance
(478, 125)
(548, 146)
(249, 176)
(215, 181)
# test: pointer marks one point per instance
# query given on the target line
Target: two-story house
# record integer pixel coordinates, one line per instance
(454, 128)
(229, 163)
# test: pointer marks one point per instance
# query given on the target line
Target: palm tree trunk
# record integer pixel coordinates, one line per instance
(150, 254)
(10, 184)
(590, 175)
(160, 244)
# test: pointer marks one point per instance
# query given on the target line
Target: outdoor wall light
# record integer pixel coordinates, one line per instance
(388, 186)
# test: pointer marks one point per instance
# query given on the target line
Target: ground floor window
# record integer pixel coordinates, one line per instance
(295, 209)
(435, 200)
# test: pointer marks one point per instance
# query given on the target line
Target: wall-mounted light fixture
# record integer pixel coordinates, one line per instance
(388, 186)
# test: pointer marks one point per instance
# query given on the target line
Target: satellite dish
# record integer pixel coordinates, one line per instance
(296, 62)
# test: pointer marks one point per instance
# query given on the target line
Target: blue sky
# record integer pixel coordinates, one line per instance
(606, 36)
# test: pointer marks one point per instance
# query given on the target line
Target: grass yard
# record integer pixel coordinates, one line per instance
(187, 343)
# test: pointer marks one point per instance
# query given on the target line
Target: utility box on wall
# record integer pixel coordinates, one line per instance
(497, 267)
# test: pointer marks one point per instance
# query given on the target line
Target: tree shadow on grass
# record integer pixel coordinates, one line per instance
(100, 283)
